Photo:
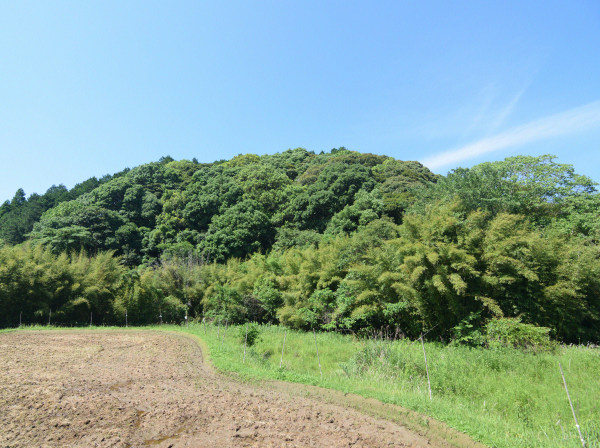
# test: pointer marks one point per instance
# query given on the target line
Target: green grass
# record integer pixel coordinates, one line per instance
(503, 398)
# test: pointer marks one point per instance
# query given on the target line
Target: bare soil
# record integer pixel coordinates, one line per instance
(152, 389)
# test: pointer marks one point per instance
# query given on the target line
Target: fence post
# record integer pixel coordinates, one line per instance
(204, 323)
(125, 317)
(571, 404)
(245, 342)
(426, 367)
(49, 316)
(91, 318)
(282, 348)
(20, 318)
(224, 331)
(318, 357)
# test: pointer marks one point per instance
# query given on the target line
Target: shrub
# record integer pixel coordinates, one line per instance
(511, 332)
(250, 334)
(468, 331)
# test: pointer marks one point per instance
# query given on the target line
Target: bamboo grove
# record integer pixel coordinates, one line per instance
(340, 241)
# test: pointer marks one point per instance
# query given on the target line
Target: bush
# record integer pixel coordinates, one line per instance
(469, 331)
(511, 332)
(249, 334)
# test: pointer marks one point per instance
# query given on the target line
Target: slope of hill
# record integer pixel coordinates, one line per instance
(505, 252)
(227, 208)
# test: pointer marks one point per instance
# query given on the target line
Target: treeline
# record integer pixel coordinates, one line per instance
(449, 270)
(38, 287)
(341, 241)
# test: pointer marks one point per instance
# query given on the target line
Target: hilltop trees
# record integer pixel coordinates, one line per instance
(225, 209)
(534, 186)
(340, 241)
(18, 216)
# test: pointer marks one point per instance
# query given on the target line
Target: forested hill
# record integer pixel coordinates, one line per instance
(218, 210)
(338, 241)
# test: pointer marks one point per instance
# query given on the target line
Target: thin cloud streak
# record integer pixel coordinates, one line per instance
(507, 111)
(573, 120)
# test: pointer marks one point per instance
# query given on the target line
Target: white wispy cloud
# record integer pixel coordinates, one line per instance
(506, 111)
(568, 122)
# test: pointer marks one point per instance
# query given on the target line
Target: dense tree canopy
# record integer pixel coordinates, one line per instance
(223, 209)
(342, 241)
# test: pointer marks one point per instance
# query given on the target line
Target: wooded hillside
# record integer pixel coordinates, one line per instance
(340, 241)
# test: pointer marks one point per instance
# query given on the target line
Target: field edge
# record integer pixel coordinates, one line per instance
(424, 425)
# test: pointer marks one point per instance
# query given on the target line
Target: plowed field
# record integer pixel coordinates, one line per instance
(152, 389)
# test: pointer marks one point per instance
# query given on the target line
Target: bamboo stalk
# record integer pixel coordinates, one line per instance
(571, 404)
(318, 357)
(426, 368)
(282, 348)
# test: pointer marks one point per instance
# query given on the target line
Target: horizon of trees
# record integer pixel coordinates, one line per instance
(340, 241)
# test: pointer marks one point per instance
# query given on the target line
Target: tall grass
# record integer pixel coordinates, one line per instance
(501, 397)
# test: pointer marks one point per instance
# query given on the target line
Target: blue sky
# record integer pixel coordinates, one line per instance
(89, 88)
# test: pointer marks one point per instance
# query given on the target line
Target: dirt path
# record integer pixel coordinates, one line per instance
(150, 389)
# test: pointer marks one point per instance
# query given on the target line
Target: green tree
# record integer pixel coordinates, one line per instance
(73, 225)
(534, 186)
(243, 229)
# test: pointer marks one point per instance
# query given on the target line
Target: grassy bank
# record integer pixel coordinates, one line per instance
(503, 398)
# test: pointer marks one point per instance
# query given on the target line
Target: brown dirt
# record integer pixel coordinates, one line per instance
(152, 389)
